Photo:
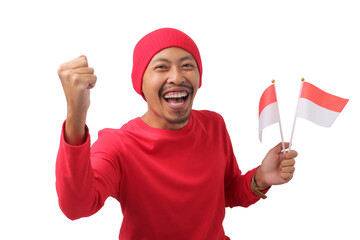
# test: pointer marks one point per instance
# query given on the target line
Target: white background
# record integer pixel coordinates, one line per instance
(244, 45)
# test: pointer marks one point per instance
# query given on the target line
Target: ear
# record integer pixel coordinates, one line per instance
(143, 96)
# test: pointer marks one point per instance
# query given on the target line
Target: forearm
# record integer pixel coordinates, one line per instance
(75, 180)
(239, 193)
(75, 127)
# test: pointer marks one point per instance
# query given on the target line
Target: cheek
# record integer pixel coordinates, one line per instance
(151, 89)
(195, 81)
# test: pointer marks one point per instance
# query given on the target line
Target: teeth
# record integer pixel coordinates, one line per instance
(176, 95)
(177, 104)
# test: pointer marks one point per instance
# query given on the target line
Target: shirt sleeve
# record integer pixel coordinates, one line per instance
(237, 185)
(86, 175)
(238, 192)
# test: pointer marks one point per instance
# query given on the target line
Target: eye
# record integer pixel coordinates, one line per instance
(188, 66)
(160, 67)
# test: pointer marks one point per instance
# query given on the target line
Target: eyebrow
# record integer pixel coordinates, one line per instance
(188, 57)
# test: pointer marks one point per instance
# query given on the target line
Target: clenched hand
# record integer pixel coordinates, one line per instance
(77, 78)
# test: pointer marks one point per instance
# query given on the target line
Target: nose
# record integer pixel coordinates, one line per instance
(175, 76)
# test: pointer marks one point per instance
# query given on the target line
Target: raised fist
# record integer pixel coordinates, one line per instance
(77, 78)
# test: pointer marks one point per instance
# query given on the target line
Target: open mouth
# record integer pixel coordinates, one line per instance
(176, 98)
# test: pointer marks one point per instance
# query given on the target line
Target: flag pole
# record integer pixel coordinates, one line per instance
(281, 132)
(293, 128)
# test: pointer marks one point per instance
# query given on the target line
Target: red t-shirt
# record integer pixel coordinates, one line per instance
(171, 184)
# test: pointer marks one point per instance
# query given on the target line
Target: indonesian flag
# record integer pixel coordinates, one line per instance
(318, 106)
(268, 109)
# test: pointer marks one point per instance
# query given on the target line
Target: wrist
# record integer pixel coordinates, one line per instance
(75, 131)
(256, 189)
(259, 179)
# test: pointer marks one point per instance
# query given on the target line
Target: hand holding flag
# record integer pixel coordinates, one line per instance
(277, 167)
(314, 105)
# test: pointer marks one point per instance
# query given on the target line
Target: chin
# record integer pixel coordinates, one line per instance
(179, 120)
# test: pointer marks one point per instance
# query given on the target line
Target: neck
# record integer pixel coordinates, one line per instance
(163, 123)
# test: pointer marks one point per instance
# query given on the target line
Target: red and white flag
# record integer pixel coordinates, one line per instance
(318, 106)
(268, 109)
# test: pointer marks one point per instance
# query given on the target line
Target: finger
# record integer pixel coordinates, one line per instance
(278, 148)
(288, 169)
(291, 154)
(288, 163)
(92, 84)
(85, 80)
(83, 70)
(287, 176)
(75, 63)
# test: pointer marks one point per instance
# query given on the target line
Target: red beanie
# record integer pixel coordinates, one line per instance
(153, 43)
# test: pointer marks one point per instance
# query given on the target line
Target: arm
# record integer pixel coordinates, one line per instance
(238, 191)
(77, 79)
(74, 177)
(86, 177)
(237, 185)
(75, 185)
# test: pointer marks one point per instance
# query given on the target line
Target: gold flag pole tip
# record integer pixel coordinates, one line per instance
(303, 79)
(273, 81)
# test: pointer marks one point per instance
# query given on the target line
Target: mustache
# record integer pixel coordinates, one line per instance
(184, 85)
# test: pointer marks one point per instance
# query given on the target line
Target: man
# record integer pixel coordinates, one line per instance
(173, 169)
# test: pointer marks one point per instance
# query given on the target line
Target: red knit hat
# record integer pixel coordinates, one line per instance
(153, 43)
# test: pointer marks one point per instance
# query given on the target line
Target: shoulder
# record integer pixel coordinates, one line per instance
(119, 132)
(115, 136)
(207, 116)
(114, 140)
(209, 121)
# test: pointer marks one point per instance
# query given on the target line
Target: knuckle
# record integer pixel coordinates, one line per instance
(61, 69)
(75, 79)
(68, 75)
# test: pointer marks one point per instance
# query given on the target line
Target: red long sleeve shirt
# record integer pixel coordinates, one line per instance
(171, 184)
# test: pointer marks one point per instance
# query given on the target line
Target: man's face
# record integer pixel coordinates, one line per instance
(170, 83)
